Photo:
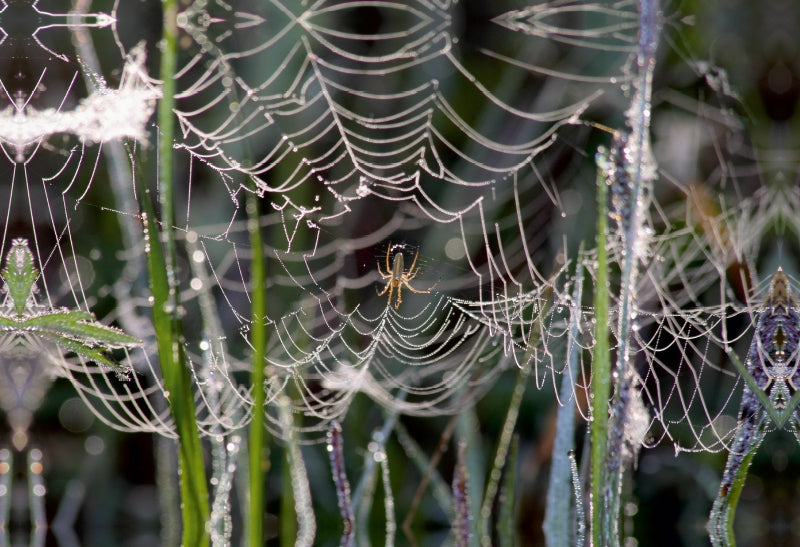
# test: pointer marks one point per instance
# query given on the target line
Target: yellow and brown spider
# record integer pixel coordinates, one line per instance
(396, 277)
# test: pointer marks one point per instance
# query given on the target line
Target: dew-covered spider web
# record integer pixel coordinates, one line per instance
(422, 179)
(370, 130)
(424, 174)
(377, 134)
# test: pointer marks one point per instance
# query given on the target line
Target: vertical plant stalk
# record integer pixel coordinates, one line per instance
(501, 454)
(507, 517)
(303, 509)
(580, 514)
(259, 450)
(507, 433)
(336, 454)
(469, 431)
(463, 517)
(638, 166)
(388, 497)
(379, 439)
(178, 384)
(723, 511)
(224, 448)
(601, 367)
(557, 527)
(166, 309)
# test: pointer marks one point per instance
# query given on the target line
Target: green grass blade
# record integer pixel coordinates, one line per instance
(259, 450)
(601, 368)
(501, 454)
(163, 284)
(72, 325)
(178, 383)
(468, 429)
(461, 499)
(723, 511)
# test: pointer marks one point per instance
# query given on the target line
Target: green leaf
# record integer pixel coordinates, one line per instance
(74, 330)
(87, 352)
(19, 274)
(74, 325)
(178, 383)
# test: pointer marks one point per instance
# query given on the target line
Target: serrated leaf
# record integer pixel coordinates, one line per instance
(76, 330)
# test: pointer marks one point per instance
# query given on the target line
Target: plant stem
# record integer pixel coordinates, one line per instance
(166, 310)
(178, 384)
(640, 169)
(601, 367)
(559, 524)
(259, 450)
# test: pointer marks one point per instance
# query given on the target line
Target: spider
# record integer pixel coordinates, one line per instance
(397, 277)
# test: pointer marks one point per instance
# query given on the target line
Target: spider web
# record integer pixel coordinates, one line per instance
(369, 129)
(361, 139)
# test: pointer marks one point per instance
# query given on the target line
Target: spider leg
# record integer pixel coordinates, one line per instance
(399, 295)
(383, 275)
(413, 265)
(390, 286)
(388, 248)
(415, 291)
(386, 288)
(412, 289)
